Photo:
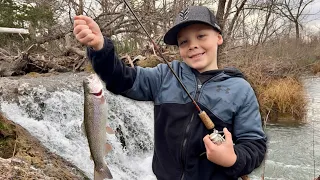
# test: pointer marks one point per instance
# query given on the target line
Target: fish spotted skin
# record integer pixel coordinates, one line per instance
(95, 116)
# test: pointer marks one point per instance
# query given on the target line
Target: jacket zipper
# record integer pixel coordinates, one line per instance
(199, 85)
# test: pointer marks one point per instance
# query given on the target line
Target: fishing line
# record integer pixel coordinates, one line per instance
(264, 129)
(160, 53)
(313, 151)
(203, 115)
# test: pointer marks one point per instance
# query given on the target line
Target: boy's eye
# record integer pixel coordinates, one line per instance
(201, 36)
(182, 42)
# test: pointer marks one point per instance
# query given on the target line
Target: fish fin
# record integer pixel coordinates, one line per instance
(108, 148)
(102, 173)
(109, 130)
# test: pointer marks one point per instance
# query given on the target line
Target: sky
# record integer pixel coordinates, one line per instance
(313, 21)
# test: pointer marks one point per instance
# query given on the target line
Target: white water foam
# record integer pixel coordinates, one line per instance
(55, 119)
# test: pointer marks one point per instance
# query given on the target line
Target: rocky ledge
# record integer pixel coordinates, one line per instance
(23, 157)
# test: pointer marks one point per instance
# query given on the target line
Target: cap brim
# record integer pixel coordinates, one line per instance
(170, 37)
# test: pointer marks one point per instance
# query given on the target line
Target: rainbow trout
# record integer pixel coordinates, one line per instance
(95, 119)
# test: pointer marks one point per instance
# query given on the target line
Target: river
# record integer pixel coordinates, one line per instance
(51, 108)
(294, 150)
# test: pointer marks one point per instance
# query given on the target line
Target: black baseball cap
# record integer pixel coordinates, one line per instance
(188, 16)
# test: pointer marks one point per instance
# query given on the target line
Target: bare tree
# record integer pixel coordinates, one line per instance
(223, 14)
(220, 12)
(269, 10)
(293, 11)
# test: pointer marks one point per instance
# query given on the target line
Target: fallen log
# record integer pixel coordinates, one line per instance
(14, 30)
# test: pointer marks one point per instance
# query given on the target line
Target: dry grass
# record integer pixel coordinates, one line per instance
(273, 71)
(34, 74)
(284, 97)
(88, 68)
(150, 61)
(315, 68)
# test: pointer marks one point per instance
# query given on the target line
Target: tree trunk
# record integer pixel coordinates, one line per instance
(220, 13)
(296, 23)
(228, 32)
(221, 21)
(266, 23)
(80, 9)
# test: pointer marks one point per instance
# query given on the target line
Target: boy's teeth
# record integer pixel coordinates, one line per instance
(197, 55)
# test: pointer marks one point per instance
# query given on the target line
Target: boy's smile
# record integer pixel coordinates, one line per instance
(196, 56)
(198, 44)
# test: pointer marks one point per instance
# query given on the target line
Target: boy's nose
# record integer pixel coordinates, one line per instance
(193, 45)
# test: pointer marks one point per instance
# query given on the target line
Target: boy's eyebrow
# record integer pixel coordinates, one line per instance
(179, 37)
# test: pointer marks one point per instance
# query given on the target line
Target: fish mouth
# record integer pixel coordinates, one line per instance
(97, 94)
(94, 85)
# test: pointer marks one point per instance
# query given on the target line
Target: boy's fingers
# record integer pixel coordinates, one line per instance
(83, 33)
(76, 17)
(206, 139)
(79, 28)
(85, 18)
(79, 22)
(227, 135)
(79, 17)
(87, 39)
(208, 143)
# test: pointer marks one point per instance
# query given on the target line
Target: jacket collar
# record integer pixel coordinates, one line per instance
(219, 74)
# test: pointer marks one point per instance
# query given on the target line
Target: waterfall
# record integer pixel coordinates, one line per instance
(55, 118)
(51, 109)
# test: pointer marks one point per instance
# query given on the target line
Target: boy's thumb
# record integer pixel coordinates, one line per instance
(227, 134)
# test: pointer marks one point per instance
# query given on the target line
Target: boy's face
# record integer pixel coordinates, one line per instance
(198, 45)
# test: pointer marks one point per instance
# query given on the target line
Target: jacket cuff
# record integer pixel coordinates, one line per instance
(237, 167)
(107, 48)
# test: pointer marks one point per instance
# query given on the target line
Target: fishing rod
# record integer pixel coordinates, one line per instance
(203, 115)
(215, 136)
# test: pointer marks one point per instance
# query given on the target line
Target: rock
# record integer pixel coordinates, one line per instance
(23, 157)
(15, 168)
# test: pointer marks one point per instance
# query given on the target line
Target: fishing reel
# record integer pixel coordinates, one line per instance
(216, 138)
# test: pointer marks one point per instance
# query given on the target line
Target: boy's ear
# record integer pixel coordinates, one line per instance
(220, 39)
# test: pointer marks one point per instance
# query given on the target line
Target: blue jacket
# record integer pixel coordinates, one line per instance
(226, 97)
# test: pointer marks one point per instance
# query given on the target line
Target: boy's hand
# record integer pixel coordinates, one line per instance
(222, 154)
(87, 32)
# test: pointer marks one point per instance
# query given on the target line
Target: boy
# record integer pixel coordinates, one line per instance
(180, 136)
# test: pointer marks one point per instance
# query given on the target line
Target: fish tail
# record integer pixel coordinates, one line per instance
(103, 173)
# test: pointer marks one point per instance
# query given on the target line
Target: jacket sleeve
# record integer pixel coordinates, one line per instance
(136, 83)
(249, 139)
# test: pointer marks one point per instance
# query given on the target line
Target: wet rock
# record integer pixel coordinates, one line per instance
(23, 157)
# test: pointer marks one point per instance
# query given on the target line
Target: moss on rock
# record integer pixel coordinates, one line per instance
(24, 157)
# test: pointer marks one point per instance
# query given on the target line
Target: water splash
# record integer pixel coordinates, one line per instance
(55, 119)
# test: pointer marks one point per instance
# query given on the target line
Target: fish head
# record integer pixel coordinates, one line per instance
(93, 85)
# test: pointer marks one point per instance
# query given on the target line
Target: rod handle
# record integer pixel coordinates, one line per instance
(206, 120)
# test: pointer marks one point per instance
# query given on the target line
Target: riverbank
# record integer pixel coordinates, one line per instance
(275, 71)
(22, 156)
(49, 107)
